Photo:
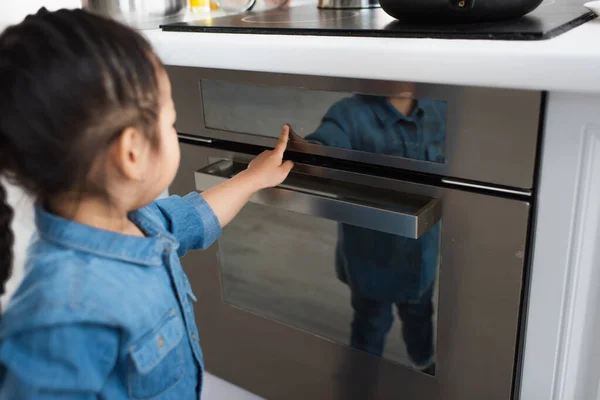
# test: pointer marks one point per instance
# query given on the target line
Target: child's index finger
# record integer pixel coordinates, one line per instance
(283, 140)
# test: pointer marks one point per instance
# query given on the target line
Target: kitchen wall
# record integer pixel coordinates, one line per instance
(12, 11)
(23, 226)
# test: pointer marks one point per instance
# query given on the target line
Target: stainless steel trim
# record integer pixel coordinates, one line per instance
(348, 4)
(405, 218)
(147, 14)
(195, 138)
(487, 187)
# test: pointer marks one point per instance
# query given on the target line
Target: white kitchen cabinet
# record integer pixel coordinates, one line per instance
(562, 353)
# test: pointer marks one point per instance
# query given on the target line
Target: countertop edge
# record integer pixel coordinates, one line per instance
(569, 62)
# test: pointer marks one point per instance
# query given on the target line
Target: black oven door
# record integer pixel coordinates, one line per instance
(339, 285)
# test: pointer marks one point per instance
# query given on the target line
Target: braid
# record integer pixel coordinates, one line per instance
(6, 239)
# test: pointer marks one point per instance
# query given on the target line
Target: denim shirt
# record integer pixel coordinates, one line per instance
(105, 315)
(376, 264)
(372, 124)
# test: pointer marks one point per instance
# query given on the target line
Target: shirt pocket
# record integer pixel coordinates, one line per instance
(157, 361)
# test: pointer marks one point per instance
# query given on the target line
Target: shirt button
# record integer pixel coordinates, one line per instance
(194, 336)
(161, 342)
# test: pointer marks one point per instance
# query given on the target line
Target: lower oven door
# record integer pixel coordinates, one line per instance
(323, 290)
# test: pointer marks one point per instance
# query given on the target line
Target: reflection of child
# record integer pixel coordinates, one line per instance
(400, 127)
(384, 269)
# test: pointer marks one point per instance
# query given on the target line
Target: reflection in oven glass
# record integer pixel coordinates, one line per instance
(400, 126)
(371, 290)
(403, 125)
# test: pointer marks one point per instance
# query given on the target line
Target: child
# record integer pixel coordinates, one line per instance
(384, 270)
(87, 127)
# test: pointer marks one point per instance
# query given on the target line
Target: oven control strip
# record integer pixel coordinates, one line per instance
(466, 185)
(486, 188)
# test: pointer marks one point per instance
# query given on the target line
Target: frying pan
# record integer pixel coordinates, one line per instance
(453, 11)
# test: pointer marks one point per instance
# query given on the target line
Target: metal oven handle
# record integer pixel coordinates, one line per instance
(411, 222)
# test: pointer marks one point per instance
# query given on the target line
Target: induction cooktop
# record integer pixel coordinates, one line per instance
(550, 19)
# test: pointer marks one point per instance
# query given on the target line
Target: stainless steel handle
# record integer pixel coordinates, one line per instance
(405, 215)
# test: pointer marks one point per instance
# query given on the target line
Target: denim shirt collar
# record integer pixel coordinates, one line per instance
(147, 250)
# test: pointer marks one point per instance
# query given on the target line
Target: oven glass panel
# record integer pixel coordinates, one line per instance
(371, 290)
(402, 126)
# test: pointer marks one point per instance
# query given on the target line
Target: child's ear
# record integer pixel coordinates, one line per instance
(130, 153)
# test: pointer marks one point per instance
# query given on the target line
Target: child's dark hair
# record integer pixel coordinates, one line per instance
(70, 83)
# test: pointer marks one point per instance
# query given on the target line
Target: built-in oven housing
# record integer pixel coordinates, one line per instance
(251, 331)
(491, 134)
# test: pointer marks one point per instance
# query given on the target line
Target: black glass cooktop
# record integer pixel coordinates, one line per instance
(550, 19)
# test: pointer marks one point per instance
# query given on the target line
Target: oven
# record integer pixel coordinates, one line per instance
(392, 263)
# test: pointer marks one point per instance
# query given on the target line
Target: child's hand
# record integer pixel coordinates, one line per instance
(268, 169)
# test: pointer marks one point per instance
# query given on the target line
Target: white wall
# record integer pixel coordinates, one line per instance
(23, 228)
(13, 11)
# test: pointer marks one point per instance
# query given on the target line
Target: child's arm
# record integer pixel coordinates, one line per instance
(196, 220)
(266, 170)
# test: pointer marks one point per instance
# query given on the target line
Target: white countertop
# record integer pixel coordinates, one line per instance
(569, 62)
